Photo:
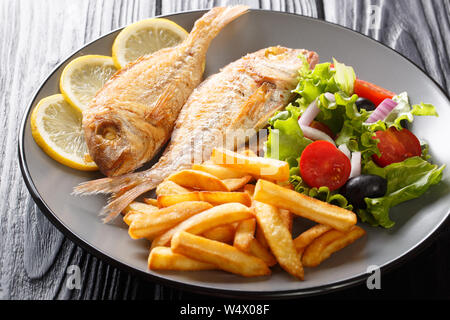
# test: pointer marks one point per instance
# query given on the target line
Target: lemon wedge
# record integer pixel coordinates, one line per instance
(56, 128)
(145, 37)
(83, 77)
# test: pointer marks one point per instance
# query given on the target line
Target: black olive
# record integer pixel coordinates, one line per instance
(404, 123)
(364, 186)
(363, 103)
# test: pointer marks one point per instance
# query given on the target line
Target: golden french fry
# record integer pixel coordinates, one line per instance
(279, 238)
(259, 235)
(250, 189)
(328, 243)
(198, 180)
(130, 216)
(244, 235)
(222, 255)
(305, 239)
(301, 205)
(155, 223)
(218, 171)
(222, 233)
(213, 197)
(248, 153)
(209, 219)
(287, 218)
(162, 258)
(257, 250)
(238, 183)
(140, 207)
(257, 166)
(170, 187)
(152, 202)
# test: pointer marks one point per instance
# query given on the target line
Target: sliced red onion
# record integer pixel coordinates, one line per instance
(315, 134)
(382, 111)
(356, 165)
(345, 150)
(330, 97)
(310, 114)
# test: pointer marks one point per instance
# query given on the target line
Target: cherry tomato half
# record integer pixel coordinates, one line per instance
(396, 146)
(322, 164)
(371, 91)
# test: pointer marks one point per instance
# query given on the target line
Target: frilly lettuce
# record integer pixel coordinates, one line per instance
(406, 180)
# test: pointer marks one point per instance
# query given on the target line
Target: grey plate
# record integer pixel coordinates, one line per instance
(51, 184)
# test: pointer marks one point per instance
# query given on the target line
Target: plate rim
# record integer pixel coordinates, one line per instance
(226, 293)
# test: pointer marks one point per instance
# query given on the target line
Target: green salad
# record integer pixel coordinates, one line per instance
(347, 143)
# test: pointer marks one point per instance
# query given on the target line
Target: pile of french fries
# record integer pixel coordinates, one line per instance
(235, 213)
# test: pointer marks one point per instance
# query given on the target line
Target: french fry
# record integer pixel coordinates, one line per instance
(257, 250)
(209, 219)
(140, 207)
(244, 235)
(222, 255)
(198, 180)
(250, 189)
(155, 223)
(213, 197)
(301, 205)
(328, 243)
(287, 218)
(218, 171)
(259, 235)
(152, 202)
(222, 233)
(136, 209)
(305, 239)
(238, 183)
(279, 238)
(257, 166)
(170, 187)
(130, 216)
(162, 258)
(248, 153)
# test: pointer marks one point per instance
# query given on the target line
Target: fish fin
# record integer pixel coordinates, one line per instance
(106, 185)
(253, 104)
(159, 112)
(209, 25)
(119, 203)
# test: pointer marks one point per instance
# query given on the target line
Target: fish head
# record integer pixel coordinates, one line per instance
(115, 141)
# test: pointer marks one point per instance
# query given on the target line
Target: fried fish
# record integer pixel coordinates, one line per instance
(133, 115)
(244, 95)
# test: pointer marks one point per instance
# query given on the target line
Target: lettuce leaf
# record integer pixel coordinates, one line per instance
(345, 77)
(322, 193)
(403, 111)
(406, 180)
(286, 141)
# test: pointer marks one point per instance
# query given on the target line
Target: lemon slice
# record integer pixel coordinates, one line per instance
(83, 77)
(56, 128)
(145, 37)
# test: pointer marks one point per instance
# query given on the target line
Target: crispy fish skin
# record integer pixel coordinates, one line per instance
(242, 96)
(133, 115)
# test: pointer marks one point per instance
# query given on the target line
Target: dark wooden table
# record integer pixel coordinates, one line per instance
(37, 35)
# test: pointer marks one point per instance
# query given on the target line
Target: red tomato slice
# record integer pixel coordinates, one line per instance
(396, 146)
(372, 92)
(322, 164)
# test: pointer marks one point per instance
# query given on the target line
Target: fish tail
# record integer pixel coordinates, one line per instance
(107, 185)
(119, 203)
(208, 27)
